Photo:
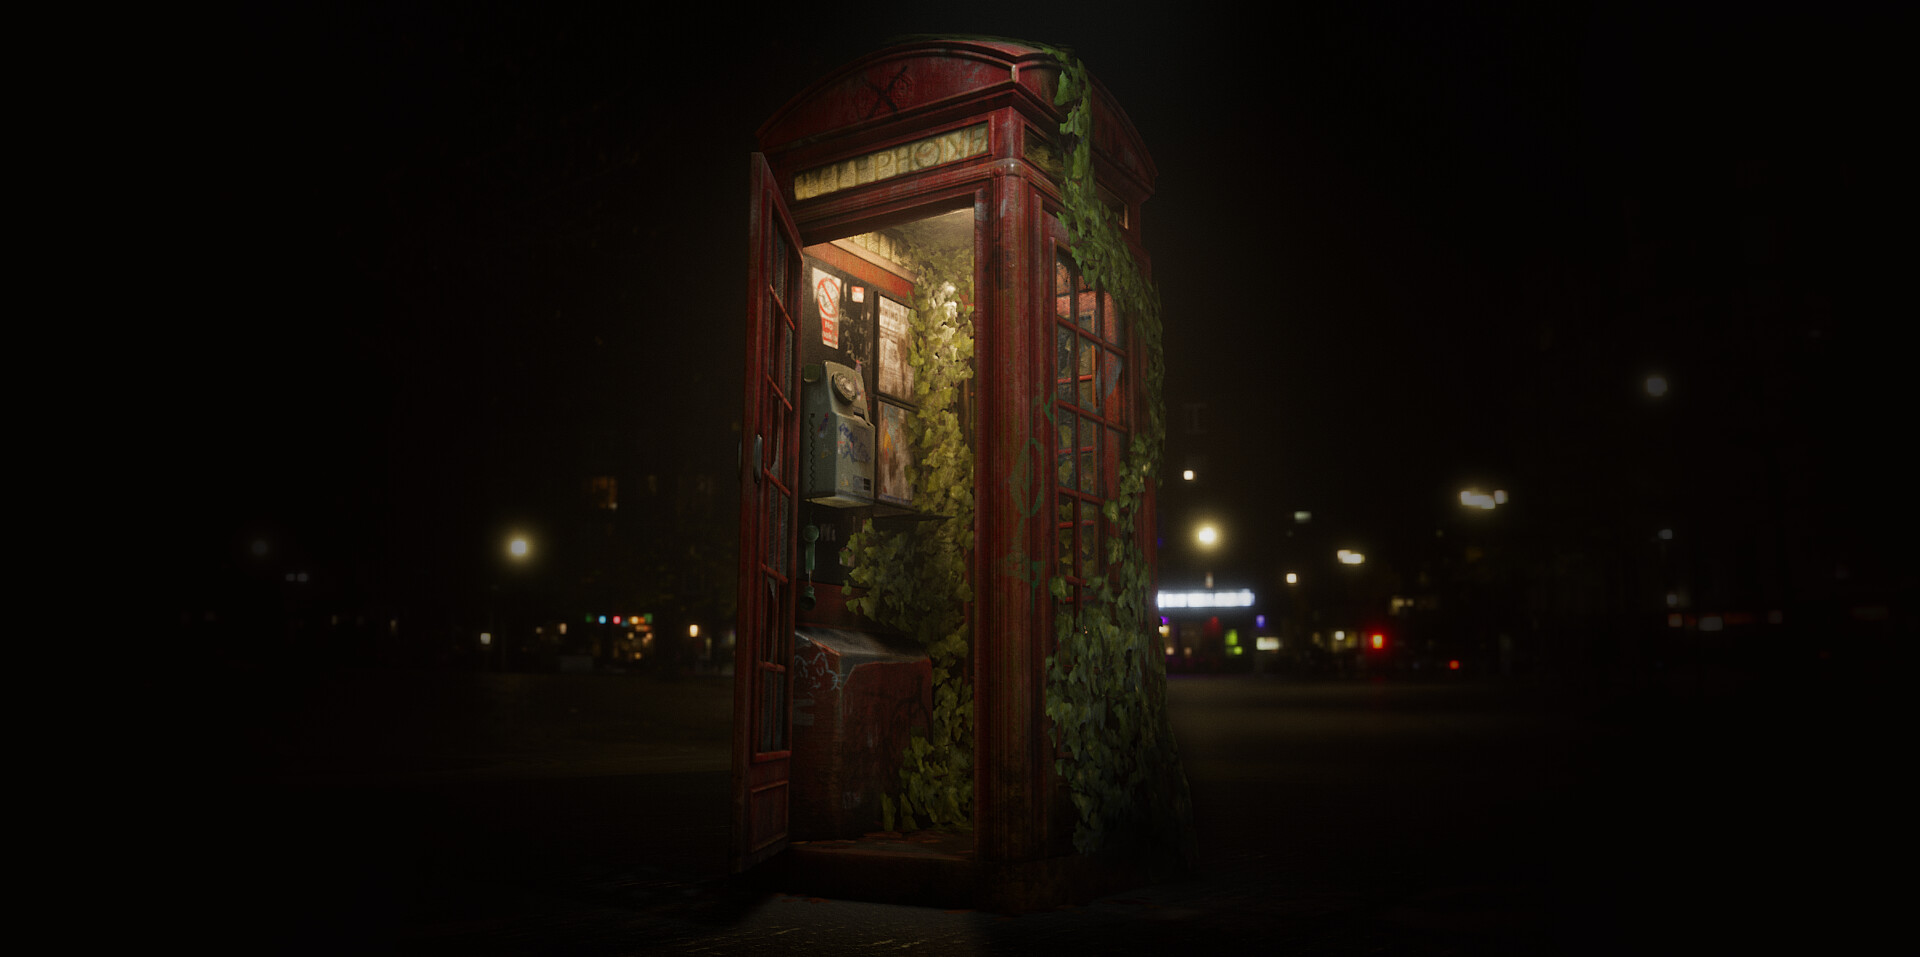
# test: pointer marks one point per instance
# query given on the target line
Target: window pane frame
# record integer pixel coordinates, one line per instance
(1092, 398)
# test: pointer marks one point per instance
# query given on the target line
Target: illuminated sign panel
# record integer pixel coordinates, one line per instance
(940, 150)
(1206, 599)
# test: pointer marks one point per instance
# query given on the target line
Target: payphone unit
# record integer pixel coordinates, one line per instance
(838, 467)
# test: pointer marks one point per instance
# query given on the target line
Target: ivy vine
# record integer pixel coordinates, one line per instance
(1106, 680)
(915, 578)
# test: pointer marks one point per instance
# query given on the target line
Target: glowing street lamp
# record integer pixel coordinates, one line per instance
(1208, 536)
(1350, 557)
(518, 547)
(1656, 385)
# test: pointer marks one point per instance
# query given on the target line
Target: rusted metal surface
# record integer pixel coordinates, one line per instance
(912, 80)
(903, 93)
(1011, 486)
(855, 701)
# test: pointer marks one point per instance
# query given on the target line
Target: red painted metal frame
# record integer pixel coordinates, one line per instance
(769, 468)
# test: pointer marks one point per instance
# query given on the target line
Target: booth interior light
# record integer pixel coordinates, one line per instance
(1206, 599)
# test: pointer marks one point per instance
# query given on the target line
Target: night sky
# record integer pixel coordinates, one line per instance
(465, 255)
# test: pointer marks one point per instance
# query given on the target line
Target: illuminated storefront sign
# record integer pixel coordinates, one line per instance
(1206, 599)
(900, 160)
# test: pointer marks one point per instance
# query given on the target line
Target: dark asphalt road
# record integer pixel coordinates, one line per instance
(559, 814)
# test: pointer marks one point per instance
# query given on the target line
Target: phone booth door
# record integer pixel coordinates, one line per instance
(769, 439)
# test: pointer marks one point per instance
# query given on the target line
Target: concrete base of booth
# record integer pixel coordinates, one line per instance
(940, 870)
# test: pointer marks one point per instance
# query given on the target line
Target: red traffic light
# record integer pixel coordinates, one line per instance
(1377, 641)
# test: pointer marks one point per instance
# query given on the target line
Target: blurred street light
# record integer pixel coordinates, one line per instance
(1350, 557)
(1656, 385)
(1208, 535)
(1474, 498)
(502, 621)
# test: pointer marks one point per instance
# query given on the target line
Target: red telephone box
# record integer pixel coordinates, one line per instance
(939, 401)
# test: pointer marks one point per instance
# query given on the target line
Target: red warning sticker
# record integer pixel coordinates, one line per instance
(826, 292)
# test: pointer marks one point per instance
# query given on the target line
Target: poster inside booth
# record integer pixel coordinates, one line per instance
(894, 482)
(857, 315)
(896, 325)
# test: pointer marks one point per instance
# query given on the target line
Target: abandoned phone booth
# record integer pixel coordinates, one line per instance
(940, 481)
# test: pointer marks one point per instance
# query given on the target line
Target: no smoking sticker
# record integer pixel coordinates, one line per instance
(826, 293)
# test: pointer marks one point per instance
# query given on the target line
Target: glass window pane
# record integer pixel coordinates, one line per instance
(1110, 386)
(1089, 534)
(769, 423)
(775, 446)
(1064, 518)
(770, 342)
(1065, 455)
(773, 710)
(777, 537)
(1111, 321)
(779, 257)
(772, 641)
(785, 376)
(1063, 362)
(1066, 432)
(1090, 458)
(1084, 369)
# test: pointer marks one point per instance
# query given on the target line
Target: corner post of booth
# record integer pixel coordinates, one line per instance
(1013, 772)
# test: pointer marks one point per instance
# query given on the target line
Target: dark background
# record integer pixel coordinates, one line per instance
(451, 260)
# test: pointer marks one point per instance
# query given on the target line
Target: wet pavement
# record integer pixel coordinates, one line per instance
(587, 814)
